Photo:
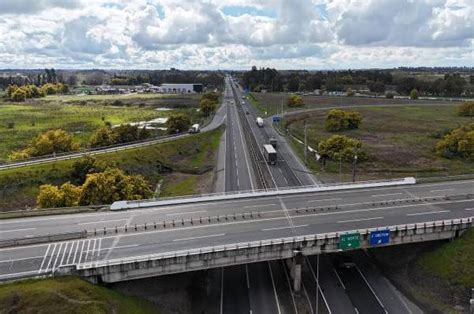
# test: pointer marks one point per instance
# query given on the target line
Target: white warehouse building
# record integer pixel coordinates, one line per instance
(170, 88)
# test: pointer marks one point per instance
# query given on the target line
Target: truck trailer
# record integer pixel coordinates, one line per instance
(270, 154)
(259, 122)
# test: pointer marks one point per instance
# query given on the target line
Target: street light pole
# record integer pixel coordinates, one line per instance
(354, 168)
(305, 143)
(317, 284)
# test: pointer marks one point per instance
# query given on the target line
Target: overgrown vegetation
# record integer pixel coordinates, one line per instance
(208, 103)
(340, 147)
(338, 120)
(466, 109)
(23, 92)
(67, 295)
(295, 101)
(123, 133)
(459, 143)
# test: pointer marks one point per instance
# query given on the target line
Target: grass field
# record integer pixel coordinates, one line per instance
(81, 116)
(68, 295)
(193, 156)
(274, 103)
(399, 141)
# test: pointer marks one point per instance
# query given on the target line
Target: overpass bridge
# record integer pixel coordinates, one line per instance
(169, 238)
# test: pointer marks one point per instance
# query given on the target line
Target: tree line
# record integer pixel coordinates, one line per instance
(451, 85)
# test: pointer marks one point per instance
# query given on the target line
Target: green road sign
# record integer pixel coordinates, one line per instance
(349, 241)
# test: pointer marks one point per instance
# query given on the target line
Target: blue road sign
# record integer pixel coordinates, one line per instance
(379, 237)
(276, 119)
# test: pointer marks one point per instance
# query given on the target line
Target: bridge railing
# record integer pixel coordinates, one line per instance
(263, 192)
(269, 242)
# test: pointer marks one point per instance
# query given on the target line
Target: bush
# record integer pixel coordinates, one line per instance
(178, 122)
(213, 97)
(414, 94)
(350, 93)
(87, 165)
(390, 95)
(18, 95)
(295, 101)
(52, 141)
(337, 120)
(207, 106)
(458, 143)
(103, 136)
(466, 109)
(341, 147)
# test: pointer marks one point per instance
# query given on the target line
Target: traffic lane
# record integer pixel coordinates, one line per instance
(231, 162)
(334, 291)
(237, 232)
(263, 298)
(361, 295)
(282, 286)
(79, 222)
(235, 290)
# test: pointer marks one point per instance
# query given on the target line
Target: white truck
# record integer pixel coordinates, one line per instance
(270, 154)
(194, 129)
(259, 122)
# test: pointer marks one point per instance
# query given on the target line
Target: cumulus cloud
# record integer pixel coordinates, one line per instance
(235, 33)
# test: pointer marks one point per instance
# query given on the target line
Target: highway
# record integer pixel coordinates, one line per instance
(261, 287)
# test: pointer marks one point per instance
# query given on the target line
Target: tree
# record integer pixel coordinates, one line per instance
(103, 136)
(71, 194)
(113, 185)
(178, 122)
(214, 97)
(349, 93)
(49, 196)
(207, 106)
(18, 95)
(414, 94)
(341, 147)
(466, 109)
(295, 101)
(376, 87)
(293, 84)
(458, 143)
(337, 120)
(87, 165)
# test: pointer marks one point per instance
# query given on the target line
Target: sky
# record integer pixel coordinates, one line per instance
(235, 34)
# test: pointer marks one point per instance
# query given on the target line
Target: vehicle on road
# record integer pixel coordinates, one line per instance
(343, 261)
(194, 129)
(259, 122)
(273, 142)
(270, 154)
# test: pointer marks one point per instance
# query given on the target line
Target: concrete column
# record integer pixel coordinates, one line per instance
(471, 310)
(295, 272)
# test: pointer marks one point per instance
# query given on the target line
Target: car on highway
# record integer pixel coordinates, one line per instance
(259, 122)
(343, 261)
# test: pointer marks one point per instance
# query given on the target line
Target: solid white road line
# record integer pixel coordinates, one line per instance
(286, 227)
(185, 213)
(274, 288)
(125, 246)
(371, 289)
(429, 213)
(75, 252)
(259, 206)
(20, 259)
(382, 195)
(326, 200)
(201, 237)
(339, 279)
(289, 285)
(20, 273)
(100, 221)
(51, 257)
(443, 190)
(57, 257)
(70, 252)
(362, 219)
(17, 230)
(64, 254)
(468, 208)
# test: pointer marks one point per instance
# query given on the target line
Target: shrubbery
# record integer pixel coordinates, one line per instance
(466, 109)
(295, 101)
(337, 120)
(341, 147)
(20, 93)
(98, 188)
(50, 142)
(208, 103)
(178, 122)
(458, 143)
(125, 133)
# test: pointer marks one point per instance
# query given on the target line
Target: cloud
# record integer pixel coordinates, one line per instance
(235, 33)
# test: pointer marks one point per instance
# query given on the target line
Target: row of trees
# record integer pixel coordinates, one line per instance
(97, 183)
(338, 120)
(20, 93)
(451, 85)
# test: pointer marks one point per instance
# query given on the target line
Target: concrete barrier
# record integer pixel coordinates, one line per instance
(121, 205)
(43, 239)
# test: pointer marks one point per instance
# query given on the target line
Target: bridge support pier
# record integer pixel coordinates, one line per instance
(295, 272)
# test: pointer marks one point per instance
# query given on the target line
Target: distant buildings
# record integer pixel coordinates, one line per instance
(182, 88)
(165, 88)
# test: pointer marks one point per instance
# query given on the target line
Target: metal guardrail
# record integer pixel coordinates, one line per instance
(43, 239)
(269, 242)
(255, 193)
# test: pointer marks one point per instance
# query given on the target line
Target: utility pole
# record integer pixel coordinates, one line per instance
(354, 168)
(317, 283)
(305, 142)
